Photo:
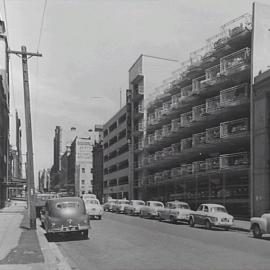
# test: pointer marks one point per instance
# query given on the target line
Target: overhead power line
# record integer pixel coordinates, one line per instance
(41, 25)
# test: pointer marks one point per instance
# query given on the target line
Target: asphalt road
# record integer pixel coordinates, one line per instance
(120, 242)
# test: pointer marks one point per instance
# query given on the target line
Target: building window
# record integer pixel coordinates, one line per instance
(83, 170)
(83, 182)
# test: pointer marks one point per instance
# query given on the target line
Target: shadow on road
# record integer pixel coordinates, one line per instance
(65, 237)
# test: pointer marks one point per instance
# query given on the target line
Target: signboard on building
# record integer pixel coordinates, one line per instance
(83, 151)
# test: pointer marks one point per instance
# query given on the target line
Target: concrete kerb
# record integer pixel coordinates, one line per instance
(54, 259)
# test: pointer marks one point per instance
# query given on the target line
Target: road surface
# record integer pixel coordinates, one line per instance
(131, 243)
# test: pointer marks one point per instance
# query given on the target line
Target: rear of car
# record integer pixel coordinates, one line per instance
(93, 208)
(66, 215)
(121, 205)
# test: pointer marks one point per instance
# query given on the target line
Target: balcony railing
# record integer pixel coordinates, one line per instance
(234, 96)
(176, 148)
(150, 139)
(212, 163)
(186, 119)
(237, 26)
(175, 172)
(167, 152)
(234, 160)
(151, 119)
(198, 139)
(158, 113)
(141, 108)
(158, 177)
(234, 128)
(150, 159)
(186, 143)
(199, 55)
(198, 84)
(158, 135)
(175, 101)
(176, 125)
(186, 169)
(235, 62)
(140, 145)
(199, 112)
(141, 89)
(166, 174)
(151, 179)
(186, 92)
(166, 130)
(212, 134)
(140, 126)
(213, 104)
(198, 166)
(166, 108)
(218, 41)
(212, 75)
(158, 155)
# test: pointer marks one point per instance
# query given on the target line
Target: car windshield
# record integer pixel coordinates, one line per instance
(182, 206)
(67, 205)
(158, 204)
(125, 202)
(88, 201)
(218, 209)
(139, 203)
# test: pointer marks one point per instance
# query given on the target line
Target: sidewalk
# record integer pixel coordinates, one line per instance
(24, 249)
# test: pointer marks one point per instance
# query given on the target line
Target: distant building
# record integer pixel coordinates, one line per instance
(44, 180)
(79, 166)
(97, 170)
(55, 170)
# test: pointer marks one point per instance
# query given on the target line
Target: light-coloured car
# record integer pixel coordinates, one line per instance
(134, 207)
(211, 215)
(120, 205)
(151, 209)
(65, 215)
(93, 208)
(109, 205)
(260, 225)
(175, 211)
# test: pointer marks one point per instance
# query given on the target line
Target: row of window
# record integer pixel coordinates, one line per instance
(116, 167)
(122, 134)
(114, 125)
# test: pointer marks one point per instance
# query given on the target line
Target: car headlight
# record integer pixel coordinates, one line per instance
(214, 219)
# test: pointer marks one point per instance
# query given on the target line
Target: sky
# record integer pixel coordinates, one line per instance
(88, 47)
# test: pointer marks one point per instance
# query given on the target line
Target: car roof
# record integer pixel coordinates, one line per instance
(136, 200)
(213, 205)
(155, 201)
(178, 202)
(65, 199)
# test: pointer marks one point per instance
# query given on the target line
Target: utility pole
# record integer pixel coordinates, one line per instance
(30, 162)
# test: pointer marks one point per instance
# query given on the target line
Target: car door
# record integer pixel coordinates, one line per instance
(198, 215)
(205, 214)
(166, 211)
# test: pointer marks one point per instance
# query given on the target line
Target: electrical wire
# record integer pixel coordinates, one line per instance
(42, 24)
(5, 11)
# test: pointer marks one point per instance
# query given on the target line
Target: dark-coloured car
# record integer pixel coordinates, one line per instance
(41, 199)
(65, 215)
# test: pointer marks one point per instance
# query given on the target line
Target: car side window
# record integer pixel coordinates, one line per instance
(168, 205)
(205, 209)
(148, 203)
(200, 208)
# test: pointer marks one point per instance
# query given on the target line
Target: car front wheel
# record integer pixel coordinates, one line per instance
(257, 231)
(191, 222)
(208, 224)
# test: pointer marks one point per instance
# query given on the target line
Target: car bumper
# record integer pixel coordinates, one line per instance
(222, 225)
(67, 229)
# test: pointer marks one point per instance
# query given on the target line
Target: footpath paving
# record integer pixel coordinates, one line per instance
(24, 249)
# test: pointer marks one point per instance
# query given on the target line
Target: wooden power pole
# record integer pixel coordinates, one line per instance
(29, 143)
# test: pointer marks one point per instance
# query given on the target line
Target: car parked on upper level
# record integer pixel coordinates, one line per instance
(120, 205)
(151, 209)
(260, 225)
(134, 207)
(65, 215)
(175, 211)
(211, 215)
(109, 205)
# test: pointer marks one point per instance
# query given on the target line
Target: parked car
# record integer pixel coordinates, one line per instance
(211, 215)
(260, 225)
(93, 207)
(108, 205)
(134, 207)
(175, 211)
(65, 215)
(41, 199)
(151, 209)
(120, 205)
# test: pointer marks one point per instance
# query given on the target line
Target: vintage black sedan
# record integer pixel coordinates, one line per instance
(65, 215)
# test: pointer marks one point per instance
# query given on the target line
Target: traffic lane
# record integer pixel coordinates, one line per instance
(123, 242)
